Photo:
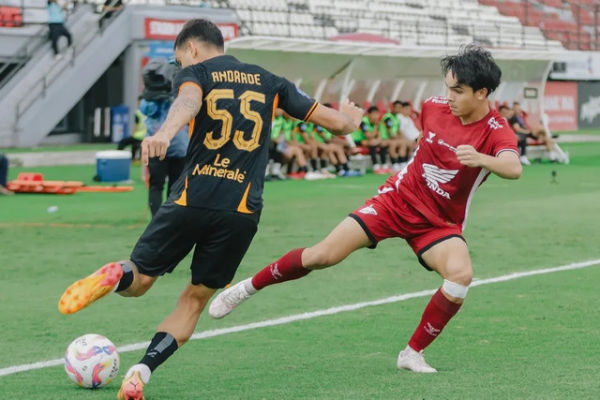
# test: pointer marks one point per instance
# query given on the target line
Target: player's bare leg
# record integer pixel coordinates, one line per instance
(121, 276)
(451, 260)
(173, 332)
(347, 237)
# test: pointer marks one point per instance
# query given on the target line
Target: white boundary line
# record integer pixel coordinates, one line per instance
(309, 315)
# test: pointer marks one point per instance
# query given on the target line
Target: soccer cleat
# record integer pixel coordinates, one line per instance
(414, 361)
(229, 299)
(132, 388)
(87, 290)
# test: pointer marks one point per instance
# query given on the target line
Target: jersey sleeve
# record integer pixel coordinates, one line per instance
(194, 75)
(294, 101)
(504, 140)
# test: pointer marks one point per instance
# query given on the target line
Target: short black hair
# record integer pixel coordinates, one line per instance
(371, 109)
(405, 104)
(202, 30)
(503, 107)
(475, 67)
(396, 103)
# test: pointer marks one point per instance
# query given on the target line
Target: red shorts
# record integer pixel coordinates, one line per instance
(389, 215)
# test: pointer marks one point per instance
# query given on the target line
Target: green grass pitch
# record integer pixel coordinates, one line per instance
(531, 338)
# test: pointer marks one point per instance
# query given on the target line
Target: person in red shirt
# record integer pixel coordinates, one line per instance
(426, 203)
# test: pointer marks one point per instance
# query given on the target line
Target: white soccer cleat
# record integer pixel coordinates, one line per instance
(230, 298)
(414, 361)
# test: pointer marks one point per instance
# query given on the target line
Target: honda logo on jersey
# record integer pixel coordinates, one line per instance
(434, 176)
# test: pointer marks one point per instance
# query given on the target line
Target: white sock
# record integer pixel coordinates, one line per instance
(143, 369)
(249, 287)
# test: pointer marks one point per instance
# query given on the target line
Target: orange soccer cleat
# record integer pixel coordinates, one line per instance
(132, 388)
(87, 290)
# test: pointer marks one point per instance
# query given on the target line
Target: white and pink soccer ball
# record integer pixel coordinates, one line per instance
(92, 361)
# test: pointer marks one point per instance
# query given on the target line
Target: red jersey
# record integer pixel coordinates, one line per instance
(434, 181)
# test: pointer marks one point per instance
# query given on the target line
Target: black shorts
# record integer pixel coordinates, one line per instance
(221, 238)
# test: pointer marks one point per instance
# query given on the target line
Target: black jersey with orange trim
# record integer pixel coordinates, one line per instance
(229, 138)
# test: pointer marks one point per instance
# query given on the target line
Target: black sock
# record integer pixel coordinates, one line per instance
(127, 278)
(338, 167)
(383, 155)
(303, 169)
(323, 163)
(313, 164)
(162, 346)
(345, 166)
(373, 154)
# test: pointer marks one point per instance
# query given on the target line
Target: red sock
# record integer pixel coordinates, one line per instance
(435, 317)
(287, 268)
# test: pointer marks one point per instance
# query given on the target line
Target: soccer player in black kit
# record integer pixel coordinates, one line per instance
(215, 205)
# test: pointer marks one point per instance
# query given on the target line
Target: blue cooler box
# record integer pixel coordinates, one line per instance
(113, 165)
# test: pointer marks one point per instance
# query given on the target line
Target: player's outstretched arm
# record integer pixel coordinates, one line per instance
(341, 122)
(184, 108)
(506, 164)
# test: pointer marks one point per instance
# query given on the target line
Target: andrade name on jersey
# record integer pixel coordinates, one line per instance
(235, 76)
(219, 169)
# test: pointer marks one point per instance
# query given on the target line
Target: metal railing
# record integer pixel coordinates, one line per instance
(39, 87)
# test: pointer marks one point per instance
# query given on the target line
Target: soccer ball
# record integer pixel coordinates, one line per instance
(92, 361)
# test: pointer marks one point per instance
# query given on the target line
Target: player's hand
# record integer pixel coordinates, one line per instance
(154, 146)
(351, 110)
(467, 155)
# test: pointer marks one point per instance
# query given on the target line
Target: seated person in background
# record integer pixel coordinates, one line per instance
(334, 150)
(517, 122)
(389, 130)
(280, 151)
(507, 113)
(291, 152)
(368, 135)
(3, 175)
(301, 138)
(407, 125)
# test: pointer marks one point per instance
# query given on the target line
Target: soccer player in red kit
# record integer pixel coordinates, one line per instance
(426, 203)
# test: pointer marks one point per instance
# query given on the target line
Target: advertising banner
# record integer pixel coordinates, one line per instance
(589, 105)
(166, 29)
(560, 104)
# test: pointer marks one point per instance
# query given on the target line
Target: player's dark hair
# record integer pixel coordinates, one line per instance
(328, 105)
(503, 107)
(405, 104)
(371, 109)
(396, 103)
(475, 67)
(202, 30)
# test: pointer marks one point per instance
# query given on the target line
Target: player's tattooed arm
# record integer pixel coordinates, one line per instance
(184, 108)
(182, 111)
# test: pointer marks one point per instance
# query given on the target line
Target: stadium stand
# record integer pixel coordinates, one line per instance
(573, 23)
(419, 23)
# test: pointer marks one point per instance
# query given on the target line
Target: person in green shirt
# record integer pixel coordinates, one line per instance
(138, 134)
(389, 128)
(368, 135)
(283, 151)
(301, 137)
